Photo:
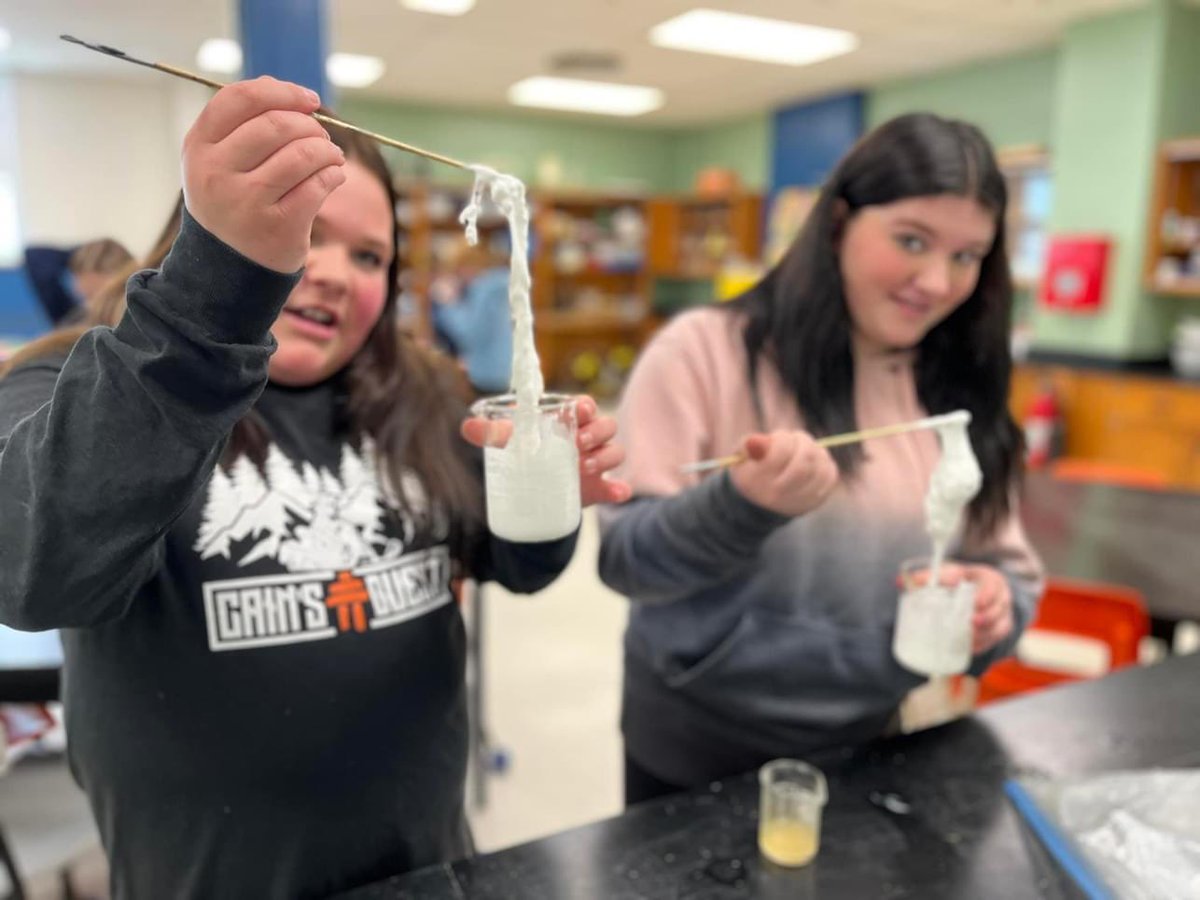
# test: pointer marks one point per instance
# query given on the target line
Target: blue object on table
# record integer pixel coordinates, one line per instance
(1058, 844)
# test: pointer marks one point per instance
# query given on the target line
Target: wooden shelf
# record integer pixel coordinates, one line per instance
(1182, 150)
(607, 282)
(1176, 191)
(553, 321)
(711, 200)
(691, 273)
(586, 200)
(602, 322)
(457, 226)
(674, 224)
(1182, 287)
(680, 226)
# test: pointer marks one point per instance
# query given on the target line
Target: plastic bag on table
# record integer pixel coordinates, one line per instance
(1139, 830)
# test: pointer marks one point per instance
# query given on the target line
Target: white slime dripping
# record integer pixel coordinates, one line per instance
(955, 481)
(533, 481)
(933, 624)
(508, 193)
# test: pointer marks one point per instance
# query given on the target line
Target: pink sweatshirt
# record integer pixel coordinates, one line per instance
(754, 635)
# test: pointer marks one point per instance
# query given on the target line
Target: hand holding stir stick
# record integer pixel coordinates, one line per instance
(837, 440)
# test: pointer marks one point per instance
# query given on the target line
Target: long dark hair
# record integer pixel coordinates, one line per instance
(401, 395)
(406, 398)
(798, 320)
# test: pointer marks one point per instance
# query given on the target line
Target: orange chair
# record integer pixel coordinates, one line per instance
(1097, 471)
(1113, 615)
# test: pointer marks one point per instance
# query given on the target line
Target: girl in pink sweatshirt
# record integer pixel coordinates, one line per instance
(764, 596)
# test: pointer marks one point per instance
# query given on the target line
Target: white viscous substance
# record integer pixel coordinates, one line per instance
(508, 193)
(955, 481)
(933, 629)
(533, 481)
(933, 623)
(533, 491)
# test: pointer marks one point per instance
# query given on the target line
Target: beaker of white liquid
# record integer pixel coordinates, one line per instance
(531, 468)
(792, 797)
(933, 621)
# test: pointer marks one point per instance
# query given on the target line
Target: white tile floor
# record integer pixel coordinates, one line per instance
(49, 828)
(553, 680)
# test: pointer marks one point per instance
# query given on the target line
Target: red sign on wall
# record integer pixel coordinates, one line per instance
(1076, 269)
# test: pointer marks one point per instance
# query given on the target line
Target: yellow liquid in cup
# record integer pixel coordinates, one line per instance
(787, 843)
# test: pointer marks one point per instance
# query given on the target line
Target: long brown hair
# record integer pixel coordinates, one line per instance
(406, 398)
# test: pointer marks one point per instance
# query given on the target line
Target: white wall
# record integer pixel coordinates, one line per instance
(10, 221)
(99, 158)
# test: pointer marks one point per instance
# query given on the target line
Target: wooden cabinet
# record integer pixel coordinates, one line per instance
(1172, 263)
(430, 235)
(591, 294)
(601, 263)
(692, 236)
(1136, 421)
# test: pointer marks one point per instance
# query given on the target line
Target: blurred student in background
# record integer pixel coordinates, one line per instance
(471, 316)
(66, 280)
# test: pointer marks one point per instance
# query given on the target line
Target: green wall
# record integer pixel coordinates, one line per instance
(1181, 74)
(588, 154)
(742, 144)
(1104, 144)
(1180, 118)
(1126, 82)
(1101, 100)
(1011, 99)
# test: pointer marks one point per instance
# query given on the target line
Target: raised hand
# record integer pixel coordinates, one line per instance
(257, 167)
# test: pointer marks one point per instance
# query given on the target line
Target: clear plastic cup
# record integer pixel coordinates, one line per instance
(793, 794)
(531, 469)
(933, 622)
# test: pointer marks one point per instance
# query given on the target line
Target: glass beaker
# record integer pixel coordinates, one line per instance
(933, 621)
(792, 796)
(531, 468)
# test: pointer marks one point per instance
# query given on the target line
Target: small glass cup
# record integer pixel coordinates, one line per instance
(531, 471)
(793, 794)
(933, 622)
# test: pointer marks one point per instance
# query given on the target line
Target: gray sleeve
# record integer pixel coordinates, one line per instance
(659, 549)
(99, 459)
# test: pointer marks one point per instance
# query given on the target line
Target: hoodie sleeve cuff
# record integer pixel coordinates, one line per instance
(232, 299)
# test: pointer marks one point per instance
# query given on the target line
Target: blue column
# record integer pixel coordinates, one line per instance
(285, 39)
(810, 138)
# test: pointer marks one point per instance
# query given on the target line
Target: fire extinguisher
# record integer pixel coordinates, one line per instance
(1043, 428)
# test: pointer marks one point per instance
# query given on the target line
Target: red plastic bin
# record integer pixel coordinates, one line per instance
(1112, 614)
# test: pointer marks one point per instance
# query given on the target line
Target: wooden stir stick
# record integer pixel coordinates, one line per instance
(836, 440)
(320, 117)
